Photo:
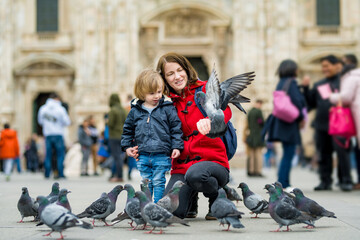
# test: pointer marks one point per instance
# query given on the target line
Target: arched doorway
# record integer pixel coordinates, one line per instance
(36, 78)
(37, 103)
(201, 34)
(200, 67)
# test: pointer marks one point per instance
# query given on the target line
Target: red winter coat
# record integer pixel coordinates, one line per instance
(9, 145)
(200, 145)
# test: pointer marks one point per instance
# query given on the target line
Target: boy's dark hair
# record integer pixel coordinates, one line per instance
(351, 58)
(331, 59)
(287, 68)
(6, 125)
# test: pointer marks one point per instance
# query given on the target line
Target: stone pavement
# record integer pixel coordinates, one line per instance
(346, 205)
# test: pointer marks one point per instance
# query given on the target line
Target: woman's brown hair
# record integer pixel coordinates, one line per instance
(183, 62)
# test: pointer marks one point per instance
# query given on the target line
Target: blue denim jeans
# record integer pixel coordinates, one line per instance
(285, 164)
(154, 166)
(57, 143)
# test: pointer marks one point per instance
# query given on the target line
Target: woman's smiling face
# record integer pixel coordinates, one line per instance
(175, 76)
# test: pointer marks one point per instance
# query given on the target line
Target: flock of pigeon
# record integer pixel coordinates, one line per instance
(55, 211)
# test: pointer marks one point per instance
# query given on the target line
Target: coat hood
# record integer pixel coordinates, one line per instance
(114, 99)
(8, 133)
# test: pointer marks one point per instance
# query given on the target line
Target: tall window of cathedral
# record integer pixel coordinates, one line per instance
(47, 16)
(328, 12)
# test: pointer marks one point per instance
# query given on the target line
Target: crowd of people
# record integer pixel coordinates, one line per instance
(163, 129)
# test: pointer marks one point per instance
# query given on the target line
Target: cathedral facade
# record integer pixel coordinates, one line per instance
(87, 49)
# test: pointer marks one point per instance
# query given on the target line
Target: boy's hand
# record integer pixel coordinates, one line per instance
(175, 153)
(133, 152)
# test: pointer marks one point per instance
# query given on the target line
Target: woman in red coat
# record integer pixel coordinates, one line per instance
(9, 149)
(203, 164)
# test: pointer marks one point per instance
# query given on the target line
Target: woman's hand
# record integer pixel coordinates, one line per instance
(133, 152)
(175, 153)
(204, 126)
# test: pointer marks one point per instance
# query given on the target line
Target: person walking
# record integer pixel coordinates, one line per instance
(9, 149)
(117, 116)
(288, 133)
(94, 134)
(31, 154)
(349, 95)
(53, 118)
(254, 140)
(318, 98)
(85, 140)
(152, 131)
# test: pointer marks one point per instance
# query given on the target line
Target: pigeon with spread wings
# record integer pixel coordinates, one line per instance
(219, 95)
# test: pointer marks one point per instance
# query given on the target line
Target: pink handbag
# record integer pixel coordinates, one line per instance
(341, 122)
(284, 109)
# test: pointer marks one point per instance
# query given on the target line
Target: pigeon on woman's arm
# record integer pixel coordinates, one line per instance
(218, 96)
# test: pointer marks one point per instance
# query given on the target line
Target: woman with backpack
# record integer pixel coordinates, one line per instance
(203, 164)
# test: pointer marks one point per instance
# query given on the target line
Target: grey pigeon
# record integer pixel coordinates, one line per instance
(27, 205)
(217, 97)
(284, 213)
(132, 207)
(284, 196)
(225, 211)
(310, 206)
(156, 215)
(63, 200)
(102, 207)
(57, 217)
(171, 200)
(253, 201)
(232, 194)
(53, 196)
(144, 186)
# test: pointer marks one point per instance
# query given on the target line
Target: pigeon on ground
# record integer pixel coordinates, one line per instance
(284, 196)
(144, 186)
(27, 206)
(232, 194)
(134, 207)
(310, 206)
(284, 213)
(53, 196)
(57, 217)
(155, 215)
(217, 97)
(253, 201)
(171, 200)
(102, 207)
(225, 211)
(63, 200)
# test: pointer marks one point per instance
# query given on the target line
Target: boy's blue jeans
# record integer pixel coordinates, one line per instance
(154, 166)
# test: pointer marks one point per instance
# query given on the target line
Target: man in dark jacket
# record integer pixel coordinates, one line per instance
(325, 144)
(117, 116)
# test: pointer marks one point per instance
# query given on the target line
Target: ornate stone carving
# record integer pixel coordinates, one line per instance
(185, 25)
